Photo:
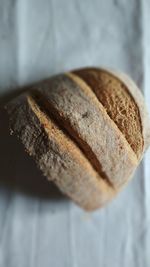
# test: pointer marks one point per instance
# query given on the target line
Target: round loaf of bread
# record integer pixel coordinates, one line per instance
(87, 131)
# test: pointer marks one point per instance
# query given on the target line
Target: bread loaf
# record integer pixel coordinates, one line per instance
(87, 131)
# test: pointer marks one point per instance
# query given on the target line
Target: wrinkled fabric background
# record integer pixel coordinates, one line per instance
(39, 226)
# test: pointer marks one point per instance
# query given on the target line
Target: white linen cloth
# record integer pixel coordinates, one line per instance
(38, 226)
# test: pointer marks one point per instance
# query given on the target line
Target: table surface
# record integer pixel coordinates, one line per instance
(38, 225)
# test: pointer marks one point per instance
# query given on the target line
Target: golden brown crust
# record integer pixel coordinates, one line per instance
(118, 102)
(139, 99)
